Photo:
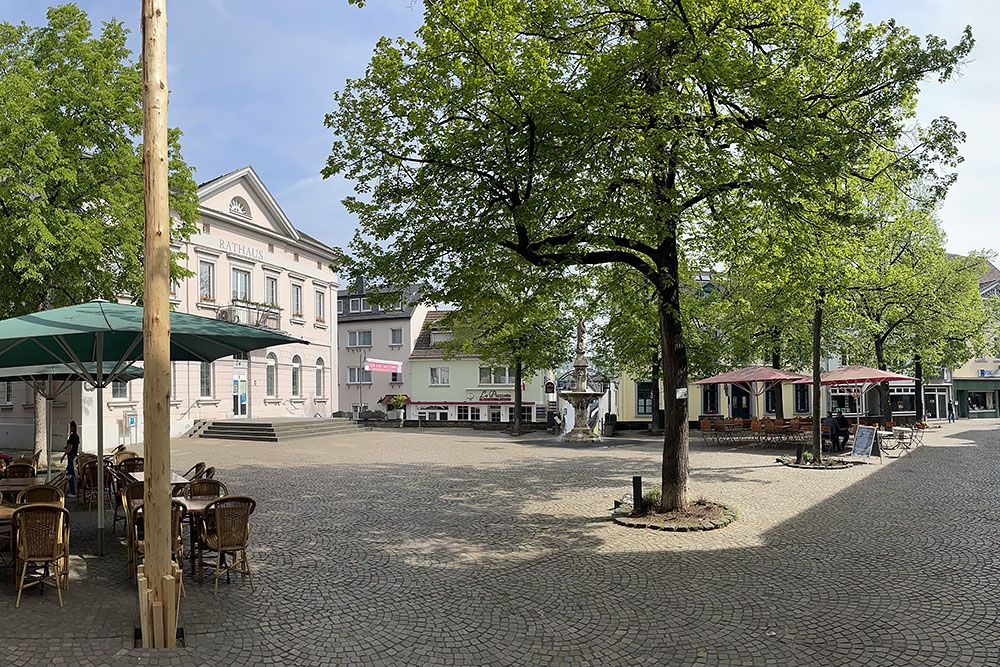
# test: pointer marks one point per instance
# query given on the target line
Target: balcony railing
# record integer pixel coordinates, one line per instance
(258, 315)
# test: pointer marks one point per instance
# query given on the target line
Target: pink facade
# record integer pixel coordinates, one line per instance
(248, 265)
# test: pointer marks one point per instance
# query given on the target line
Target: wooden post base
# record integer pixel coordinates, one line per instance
(158, 613)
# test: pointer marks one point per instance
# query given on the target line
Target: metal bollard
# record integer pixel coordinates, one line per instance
(637, 494)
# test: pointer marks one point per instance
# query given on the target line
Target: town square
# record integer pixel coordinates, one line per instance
(529, 332)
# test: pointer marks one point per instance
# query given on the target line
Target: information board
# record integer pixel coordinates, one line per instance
(863, 441)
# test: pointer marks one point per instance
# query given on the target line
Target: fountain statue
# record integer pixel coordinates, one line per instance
(581, 396)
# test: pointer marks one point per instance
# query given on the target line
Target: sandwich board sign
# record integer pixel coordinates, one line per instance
(864, 438)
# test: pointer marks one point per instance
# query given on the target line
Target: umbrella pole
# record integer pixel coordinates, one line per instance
(48, 432)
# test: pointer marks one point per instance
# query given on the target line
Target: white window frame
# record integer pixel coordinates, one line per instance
(395, 378)
(203, 376)
(392, 336)
(495, 378)
(8, 393)
(271, 376)
(271, 290)
(365, 306)
(320, 306)
(235, 274)
(340, 306)
(354, 338)
(355, 305)
(320, 378)
(438, 378)
(356, 372)
(119, 391)
(296, 376)
(202, 296)
(297, 305)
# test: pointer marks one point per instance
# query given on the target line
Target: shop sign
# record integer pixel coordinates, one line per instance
(240, 249)
(490, 395)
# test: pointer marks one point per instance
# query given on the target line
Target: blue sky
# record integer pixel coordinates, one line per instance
(252, 79)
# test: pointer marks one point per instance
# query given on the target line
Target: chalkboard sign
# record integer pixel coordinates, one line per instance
(863, 441)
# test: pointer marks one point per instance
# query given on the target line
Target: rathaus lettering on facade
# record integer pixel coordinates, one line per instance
(241, 249)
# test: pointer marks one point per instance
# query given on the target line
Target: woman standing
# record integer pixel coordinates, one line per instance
(70, 451)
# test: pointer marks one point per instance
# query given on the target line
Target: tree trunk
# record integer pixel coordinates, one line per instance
(779, 398)
(918, 398)
(657, 424)
(517, 427)
(817, 444)
(883, 388)
(675, 377)
(41, 429)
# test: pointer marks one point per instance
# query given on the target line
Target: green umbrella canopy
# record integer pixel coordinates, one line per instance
(112, 332)
(60, 372)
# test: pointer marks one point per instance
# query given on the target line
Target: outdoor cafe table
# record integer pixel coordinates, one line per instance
(174, 477)
(7, 511)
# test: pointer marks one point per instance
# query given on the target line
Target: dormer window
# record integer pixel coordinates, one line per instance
(441, 336)
(238, 206)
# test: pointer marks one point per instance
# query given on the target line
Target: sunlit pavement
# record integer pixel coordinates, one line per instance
(457, 547)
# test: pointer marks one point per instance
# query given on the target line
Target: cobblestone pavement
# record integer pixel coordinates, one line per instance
(454, 547)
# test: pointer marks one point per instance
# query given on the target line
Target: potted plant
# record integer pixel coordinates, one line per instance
(396, 406)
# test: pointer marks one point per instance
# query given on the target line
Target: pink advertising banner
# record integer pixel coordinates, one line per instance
(383, 366)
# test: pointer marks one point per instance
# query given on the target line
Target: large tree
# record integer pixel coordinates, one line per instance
(71, 209)
(576, 133)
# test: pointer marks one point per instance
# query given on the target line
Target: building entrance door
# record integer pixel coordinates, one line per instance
(739, 402)
(936, 403)
(239, 397)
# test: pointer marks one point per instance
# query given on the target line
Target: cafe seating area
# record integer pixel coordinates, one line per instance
(756, 432)
(210, 528)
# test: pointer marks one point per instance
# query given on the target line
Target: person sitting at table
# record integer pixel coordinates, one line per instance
(828, 428)
(843, 432)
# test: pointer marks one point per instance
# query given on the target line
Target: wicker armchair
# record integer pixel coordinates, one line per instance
(225, 530)
(133, 491)
(195, 471)
(205, 488)
(20, 470)
(132, 464)
(86, 484)
(41, 493)
(209, 473)
(41, 535)
(124, 454)
(137, 541)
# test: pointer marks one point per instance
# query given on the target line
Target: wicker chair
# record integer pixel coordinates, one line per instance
(133, 491)
(20, 470)
(23, 460)
(86, 484)
(209, 473)
(195, 471)
(124, 454)
(41, 493)
(42, 538)
(137, 541)
(205, 488)
(225, 530)
(132, 464)
(60, 481)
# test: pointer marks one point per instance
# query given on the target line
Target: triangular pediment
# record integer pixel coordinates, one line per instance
(242, 198)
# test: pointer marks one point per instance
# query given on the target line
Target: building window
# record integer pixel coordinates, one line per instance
(396, 378)
(644, 397)
(8, 393)
(440, 376)
(358, 375)
(395, 336)
(296, 376)
(495, 413)
(441, 337)
(340, 306)
(769, 401)
(271, 291)
(801, 392)
(981, 400)
(320, 378)
(272, 375)
(903, 399)
(463, 413)
(526, 413)
(296, 300)
(710, 399)
(844, 400)
(206, 380)
(241, 285)
(362, 338)
(365, 308)
(495, 375)
(206, 281)
(474, 414)
(238, 206)
(119, 390)
(355, 305)
(320, 306)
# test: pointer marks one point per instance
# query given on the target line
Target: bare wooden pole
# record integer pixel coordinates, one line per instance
(156, 327)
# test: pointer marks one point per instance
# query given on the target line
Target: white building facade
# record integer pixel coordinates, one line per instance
(248, 265)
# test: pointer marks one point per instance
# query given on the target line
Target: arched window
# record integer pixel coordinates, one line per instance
(272, 375)
(238, 206)
(320, 377)
(296, 376)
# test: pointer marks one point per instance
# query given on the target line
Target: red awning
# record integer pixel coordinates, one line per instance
(752, 374)
(857, 375)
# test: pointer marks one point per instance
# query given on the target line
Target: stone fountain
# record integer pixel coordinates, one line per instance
(581, 396)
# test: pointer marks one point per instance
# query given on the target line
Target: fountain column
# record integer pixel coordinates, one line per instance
(581, 397)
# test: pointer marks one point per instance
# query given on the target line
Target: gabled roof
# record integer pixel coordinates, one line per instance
(422, 348)
(257, 187)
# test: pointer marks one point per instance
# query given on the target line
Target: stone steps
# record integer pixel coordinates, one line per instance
(276, 431)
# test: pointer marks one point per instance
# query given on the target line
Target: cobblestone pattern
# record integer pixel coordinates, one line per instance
(469, 549)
